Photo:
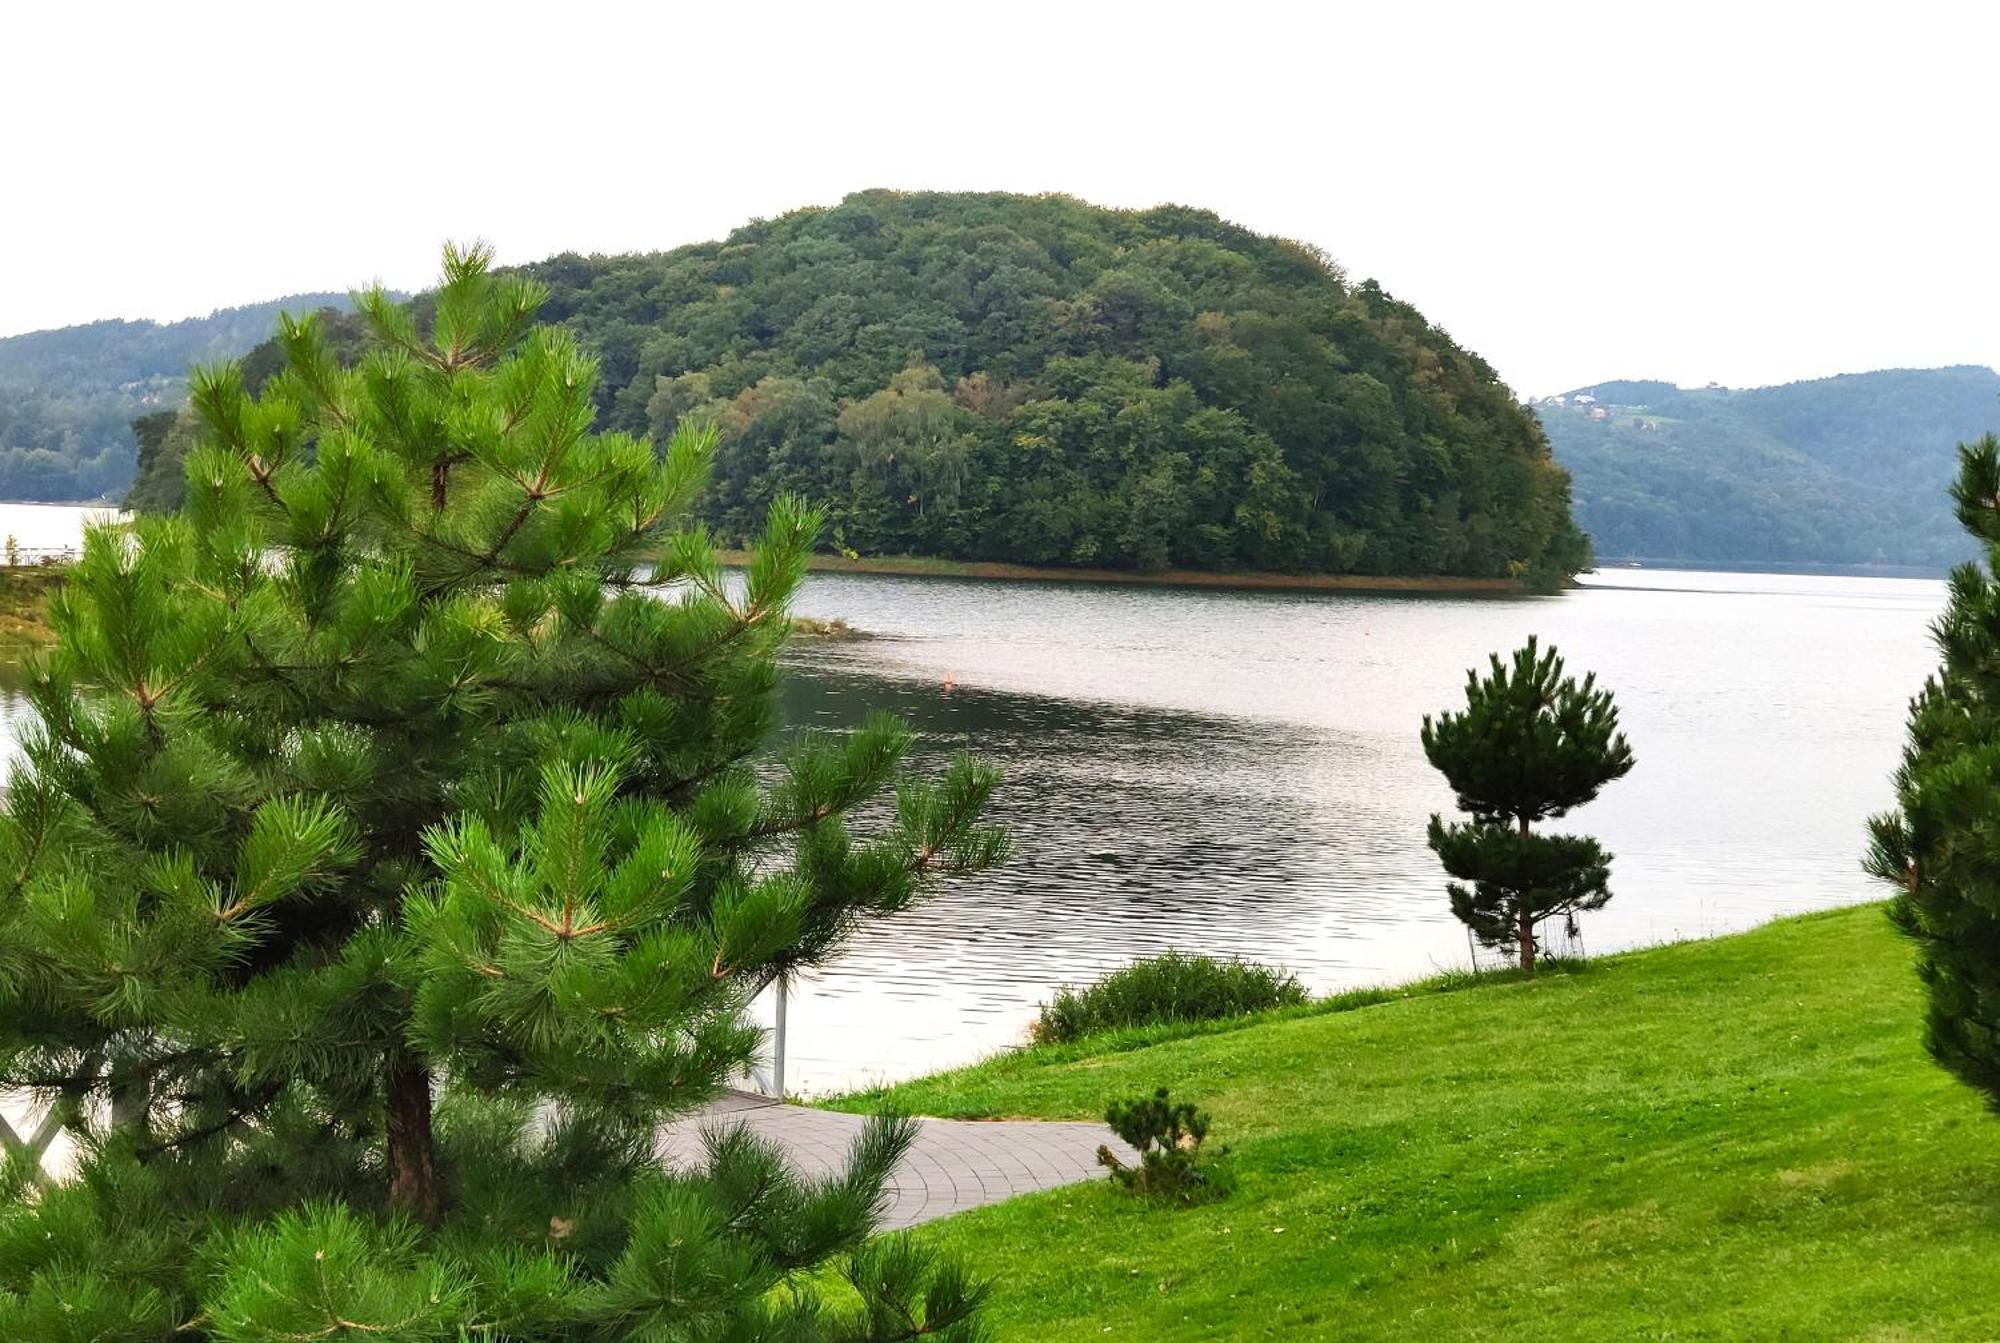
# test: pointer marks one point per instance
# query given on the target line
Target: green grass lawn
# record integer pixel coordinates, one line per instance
(1734, 1139)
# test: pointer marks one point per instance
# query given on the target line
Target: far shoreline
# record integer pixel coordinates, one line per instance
(1777, 568)
(912, 566)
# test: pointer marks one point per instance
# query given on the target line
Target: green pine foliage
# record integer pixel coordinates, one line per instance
(1160, 990)
(398, 849)
(1035, 380)
(1939, 847)
(1530, 744)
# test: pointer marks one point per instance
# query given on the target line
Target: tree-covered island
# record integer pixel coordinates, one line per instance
(1036, 380)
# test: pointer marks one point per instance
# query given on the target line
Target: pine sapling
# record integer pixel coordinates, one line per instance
(1168, 1137)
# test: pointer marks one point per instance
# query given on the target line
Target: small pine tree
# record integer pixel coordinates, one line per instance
(1939, 848)
(1530, 744)
(394, 855)
(1168, 1136)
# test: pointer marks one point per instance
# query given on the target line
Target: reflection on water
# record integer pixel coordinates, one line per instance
(15, 715)
(1135, 830)
(1239, 772)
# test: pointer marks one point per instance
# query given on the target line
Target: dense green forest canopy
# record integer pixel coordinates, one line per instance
(68, 397)
(1852, 470)
(1038, 380)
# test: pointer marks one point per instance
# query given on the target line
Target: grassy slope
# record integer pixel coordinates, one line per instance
(1721, 1140)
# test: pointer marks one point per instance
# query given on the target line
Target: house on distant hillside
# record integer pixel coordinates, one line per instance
(1585, 399)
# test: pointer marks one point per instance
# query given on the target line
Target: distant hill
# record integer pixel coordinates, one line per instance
(1842, 471)
(68, 397)
(1037, 380)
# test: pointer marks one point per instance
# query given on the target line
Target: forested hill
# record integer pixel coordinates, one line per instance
(1852, 470)
(1037, 380)
(68, 397)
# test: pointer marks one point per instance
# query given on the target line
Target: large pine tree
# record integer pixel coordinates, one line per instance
(399, 847)
(1530, 744)
(1940, 848)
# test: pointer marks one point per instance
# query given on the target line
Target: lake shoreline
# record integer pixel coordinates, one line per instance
(914, 566)
(1777, 568)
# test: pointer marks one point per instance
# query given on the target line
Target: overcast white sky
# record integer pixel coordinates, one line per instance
(1748, 192)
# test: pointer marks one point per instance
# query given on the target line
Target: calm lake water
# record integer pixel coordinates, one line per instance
(1239, 773)
(48, 528)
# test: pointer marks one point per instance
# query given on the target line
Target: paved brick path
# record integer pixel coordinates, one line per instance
(955, 1164)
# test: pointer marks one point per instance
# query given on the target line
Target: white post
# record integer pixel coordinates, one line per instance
(778, 1039)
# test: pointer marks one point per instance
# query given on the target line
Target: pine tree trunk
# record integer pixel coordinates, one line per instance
(413, 1176)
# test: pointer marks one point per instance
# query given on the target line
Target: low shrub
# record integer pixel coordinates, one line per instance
(1168, 1139)
(1164, 989)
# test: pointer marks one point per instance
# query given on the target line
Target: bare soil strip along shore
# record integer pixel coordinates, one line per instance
(912, 566)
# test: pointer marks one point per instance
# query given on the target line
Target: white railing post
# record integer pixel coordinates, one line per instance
(778, 1038)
